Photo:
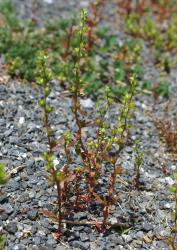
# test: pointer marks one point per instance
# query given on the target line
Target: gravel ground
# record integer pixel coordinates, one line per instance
(22, 140)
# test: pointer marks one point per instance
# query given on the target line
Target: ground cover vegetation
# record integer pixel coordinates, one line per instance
(88, 62)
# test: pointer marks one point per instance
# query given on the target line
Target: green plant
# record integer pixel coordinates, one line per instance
(92, 153)
(132, 23)
(138, 160)
(7, 9)
(149, 29)
(43, 76)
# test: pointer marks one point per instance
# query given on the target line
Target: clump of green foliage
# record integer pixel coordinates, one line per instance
(7, 9)
(145, 22)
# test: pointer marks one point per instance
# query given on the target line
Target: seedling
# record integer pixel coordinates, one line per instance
(43, 77)
(132, 23)
(138, 160)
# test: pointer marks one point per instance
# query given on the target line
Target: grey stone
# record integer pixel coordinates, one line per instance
(19, 247)
(13, 184)
(33, 180)
(139, 234)
(1, 223)
(8, 132)
(92, 237)
(14, 153)
(115, 239)
(11, 227)
(30, 163)
(34, 229)
(8, 209)
(42, 247)
(32, 214)
(80, 245)
(61, 248)
(84, 237)
(51, 242)
(32, 194)
(147, 227)
(19, 234)
(127, 238)
(3, 198)
(3, 216)
(37, 240)
(80, 216)
(24, 197)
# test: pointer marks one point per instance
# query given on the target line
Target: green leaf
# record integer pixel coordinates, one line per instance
(42, 103)
(2, 241)
(47, 91)
(3, 176)
(173, 189)
(49, 109)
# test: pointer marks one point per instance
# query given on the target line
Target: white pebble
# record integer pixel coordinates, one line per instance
(48, 1)
(21, 120)
(87, 103)
(40, 232)
(169, 180)
(144, 106)
(173, 167)
(167, 205)
(56, 162)
(84, 3)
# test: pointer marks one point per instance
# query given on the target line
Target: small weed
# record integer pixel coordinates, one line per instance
(93, 153)
(138, 160)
